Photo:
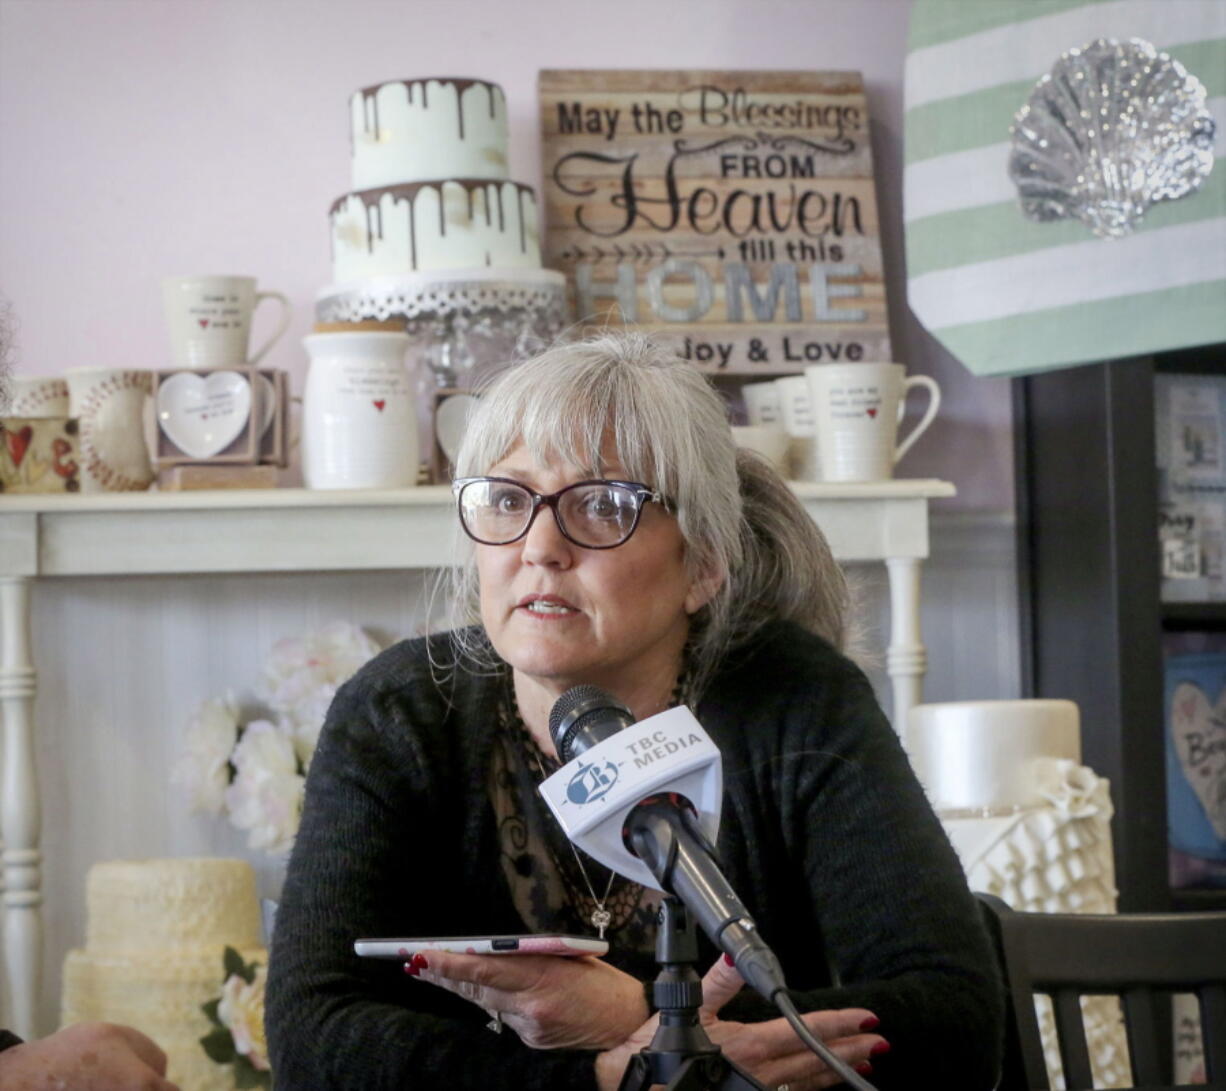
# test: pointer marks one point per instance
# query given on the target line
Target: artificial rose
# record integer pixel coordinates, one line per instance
(303, 673)
(266, 796)
(242, 1011)
(205, 769)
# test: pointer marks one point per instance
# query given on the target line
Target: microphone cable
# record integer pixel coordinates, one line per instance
(853, 1078)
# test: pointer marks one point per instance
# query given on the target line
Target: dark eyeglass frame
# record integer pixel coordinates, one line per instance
(641, 493)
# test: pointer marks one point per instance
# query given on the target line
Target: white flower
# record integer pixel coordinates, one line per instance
(204, 770)
(266, 796)
(1074, 790)
(303, 674)
(242, 1011)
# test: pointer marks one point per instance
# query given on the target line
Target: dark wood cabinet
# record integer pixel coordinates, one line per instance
(1089, 562)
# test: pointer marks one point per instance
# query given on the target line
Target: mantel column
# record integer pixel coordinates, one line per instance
(20, 815)
(906, 658)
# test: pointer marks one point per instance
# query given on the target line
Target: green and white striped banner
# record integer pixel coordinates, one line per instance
(1007, 295)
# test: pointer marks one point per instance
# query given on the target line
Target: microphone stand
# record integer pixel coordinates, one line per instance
(681, 1056)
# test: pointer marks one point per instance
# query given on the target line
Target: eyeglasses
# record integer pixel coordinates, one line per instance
(591, 514)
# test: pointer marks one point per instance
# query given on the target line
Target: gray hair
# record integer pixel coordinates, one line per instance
(670, 431)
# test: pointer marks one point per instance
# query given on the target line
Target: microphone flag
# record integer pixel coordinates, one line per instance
(591, 795)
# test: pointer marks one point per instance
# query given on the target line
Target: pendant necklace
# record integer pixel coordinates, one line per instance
(601, 917)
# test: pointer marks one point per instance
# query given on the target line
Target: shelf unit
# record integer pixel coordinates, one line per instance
(1089, 575)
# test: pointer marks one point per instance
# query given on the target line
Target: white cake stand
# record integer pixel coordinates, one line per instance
(466, 319)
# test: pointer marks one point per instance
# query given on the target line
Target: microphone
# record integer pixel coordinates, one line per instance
(645, 802)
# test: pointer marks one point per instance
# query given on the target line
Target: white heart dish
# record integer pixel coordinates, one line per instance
(450, 422)
(203, 415)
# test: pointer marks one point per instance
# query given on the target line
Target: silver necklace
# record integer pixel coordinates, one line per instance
(601, 917)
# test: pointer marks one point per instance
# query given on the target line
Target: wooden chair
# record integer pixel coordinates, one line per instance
(1143, 958)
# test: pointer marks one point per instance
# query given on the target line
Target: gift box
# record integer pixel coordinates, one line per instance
(221, 416)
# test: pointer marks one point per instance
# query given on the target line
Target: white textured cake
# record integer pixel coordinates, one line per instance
(1031, 825)
(431, 189)
(154, 941)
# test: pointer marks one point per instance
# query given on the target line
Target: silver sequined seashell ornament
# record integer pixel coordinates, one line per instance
(1112, 129)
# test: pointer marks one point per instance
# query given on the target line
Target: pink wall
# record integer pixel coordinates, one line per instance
(145, 137)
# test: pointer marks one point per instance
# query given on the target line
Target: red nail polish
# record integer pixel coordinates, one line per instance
(864, 1068)
(419, 962)
(879, 1048)
(411, 970)
(871, 1023)
(728, 961)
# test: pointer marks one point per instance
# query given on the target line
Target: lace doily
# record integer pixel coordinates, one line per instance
(540, 293)
(460, 322)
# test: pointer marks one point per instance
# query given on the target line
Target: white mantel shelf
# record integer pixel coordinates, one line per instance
(300, 530)
(297, 530)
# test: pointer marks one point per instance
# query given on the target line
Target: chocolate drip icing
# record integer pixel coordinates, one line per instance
(374, 216)
(408, 191)
(523, 242)
(460, 83)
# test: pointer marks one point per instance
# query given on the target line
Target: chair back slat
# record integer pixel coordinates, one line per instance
(1142, 957)
(1213, 1030)
(1071, 1031)
(1141, 1021)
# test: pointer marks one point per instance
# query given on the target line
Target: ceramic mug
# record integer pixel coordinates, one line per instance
(110, 405)
(796, 413)
(762, 403)
(359, 416)
(38, 396)
(209, 318)
(857, 409)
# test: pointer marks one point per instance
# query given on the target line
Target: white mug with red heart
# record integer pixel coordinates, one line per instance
(209, 318)
(857, 409)
(359, 416)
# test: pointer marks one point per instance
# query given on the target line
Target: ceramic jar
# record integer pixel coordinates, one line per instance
(359, 419)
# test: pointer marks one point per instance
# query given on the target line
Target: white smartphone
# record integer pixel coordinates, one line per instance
(403, 949)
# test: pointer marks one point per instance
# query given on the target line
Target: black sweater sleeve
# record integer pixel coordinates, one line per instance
(879, 902)
(379, 853)
(8, 1040)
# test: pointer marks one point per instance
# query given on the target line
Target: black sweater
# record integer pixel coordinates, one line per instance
(825, 834)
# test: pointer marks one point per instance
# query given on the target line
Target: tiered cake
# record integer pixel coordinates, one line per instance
(431, 190)
(155, 936)
(1031, 825)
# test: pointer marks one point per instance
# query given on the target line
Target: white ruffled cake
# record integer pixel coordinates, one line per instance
(1031, 825)
(155, 936)
(431, 186)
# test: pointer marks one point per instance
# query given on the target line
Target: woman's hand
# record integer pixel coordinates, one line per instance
(86, 1057)
(770, 1051)
(550, 1001)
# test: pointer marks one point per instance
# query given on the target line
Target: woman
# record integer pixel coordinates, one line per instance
(670, 568)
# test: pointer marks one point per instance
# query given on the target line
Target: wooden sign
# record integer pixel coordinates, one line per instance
(733, 211)
(39, 454)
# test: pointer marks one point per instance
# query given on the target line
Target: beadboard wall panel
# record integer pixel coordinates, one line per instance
(123, 662)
